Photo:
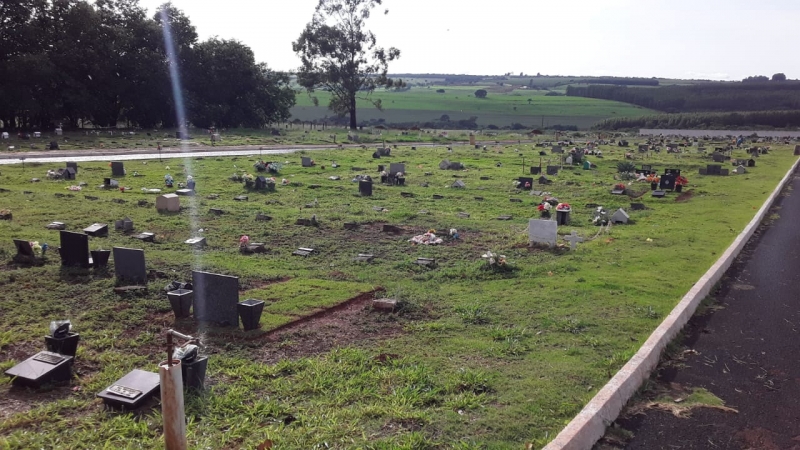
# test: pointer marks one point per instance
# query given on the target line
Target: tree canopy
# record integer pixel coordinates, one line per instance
(102, 62)
(481, 93)
(340, 55)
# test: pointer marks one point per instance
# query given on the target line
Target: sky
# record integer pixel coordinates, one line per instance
(697, 39)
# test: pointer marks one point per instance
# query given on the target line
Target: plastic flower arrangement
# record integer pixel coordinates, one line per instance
(248, 177)
(620, 186)
(653, 178)
(681, 181)
(563, 207)
(244, 240)
(493, 259)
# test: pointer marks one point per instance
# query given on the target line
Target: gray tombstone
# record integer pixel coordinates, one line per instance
(73, 165)
(568, 161)
(75, 249)
(306, 161)
(718, 157)
(395, 168)
(129, 265)
(573, 240)
(97, 230)
(620, 216)
(117, 169)
(459, 184)
(215, 298)
(542, 232)
(557, 149)
(552, 170)
(23, 248)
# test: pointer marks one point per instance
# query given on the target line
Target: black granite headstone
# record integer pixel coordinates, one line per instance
(667, 182)
(75, 249)
(73, 165)
(23, 248)
(552, 170)
(536, 170)
(365, 188)
(215, 298)
(525, 183)
(129, 265)
(638, 206)
(117, 169)
(97, 230)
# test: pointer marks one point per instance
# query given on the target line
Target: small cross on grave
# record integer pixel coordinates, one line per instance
(573, 239)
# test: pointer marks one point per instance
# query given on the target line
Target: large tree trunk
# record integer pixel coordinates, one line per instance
(353, 124)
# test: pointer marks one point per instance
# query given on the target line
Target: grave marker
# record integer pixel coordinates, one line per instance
(132, 390)
(117, 169)
(303, 251)
(542, 232)
(620, 216)
(168, 202)
(552, 170)
(573, 239)
(42, 368)
(75, 249)
(306, 161)
(536, 170)
(97, 230)
(215, 298)
(129, 265)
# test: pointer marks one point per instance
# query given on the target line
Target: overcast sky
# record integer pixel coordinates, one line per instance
(708, 39)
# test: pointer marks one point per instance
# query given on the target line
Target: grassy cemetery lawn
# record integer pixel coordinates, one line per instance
(291, 135)
(473, 358)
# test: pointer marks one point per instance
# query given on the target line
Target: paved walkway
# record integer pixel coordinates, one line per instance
(747, 352)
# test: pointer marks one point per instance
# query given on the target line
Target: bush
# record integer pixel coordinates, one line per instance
(440, 91)
(481, 93)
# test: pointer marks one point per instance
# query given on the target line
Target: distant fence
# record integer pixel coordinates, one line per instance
(718, 133)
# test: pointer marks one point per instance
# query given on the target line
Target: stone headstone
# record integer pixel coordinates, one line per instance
(196, 242)
(718, 157)
(24, 249)
(125, 224)
(129, 265)
(97, 230)
(557, 149)
(57, 226)
(667, 182)
(394, 168)
(303, 251)
(536, 170)
(184, 192)
(552, 170)
(638, 206)
(525, 183)
(364, 257)
(463, 215)
(568, 161)
(146, 237)
(365, 187)
(459, 184)
(620, 216)
(168, 202)
(75, 249)
(542, 232)
(306, 161)
(507, 217)
(215, 298)
(117, 169)
(240, 198)
(659, 194)
(544, 180)
(740, 170)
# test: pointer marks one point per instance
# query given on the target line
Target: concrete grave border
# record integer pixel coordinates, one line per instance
(590, 424)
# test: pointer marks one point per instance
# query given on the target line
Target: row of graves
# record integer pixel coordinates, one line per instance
(210, 299)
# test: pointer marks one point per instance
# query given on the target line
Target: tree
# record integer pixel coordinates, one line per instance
(480, 93)
(779, 77)
(530, 100)
(341, 56)
(755, 79)
(226, 88)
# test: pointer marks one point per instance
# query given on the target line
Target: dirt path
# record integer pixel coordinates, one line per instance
(744, 350)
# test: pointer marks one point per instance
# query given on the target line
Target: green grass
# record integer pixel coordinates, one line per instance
(502, 106)
(485, 359)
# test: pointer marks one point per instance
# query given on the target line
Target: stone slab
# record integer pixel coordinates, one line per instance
(215, 298)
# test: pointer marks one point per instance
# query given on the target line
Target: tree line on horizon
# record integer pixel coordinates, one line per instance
(752, 94)
(707, 120)
(105, 63)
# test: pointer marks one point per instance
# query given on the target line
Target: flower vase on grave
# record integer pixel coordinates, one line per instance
(653, 186)
(678, 187)
(100, 258)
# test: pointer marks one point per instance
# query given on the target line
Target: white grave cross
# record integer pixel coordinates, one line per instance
(573, 239)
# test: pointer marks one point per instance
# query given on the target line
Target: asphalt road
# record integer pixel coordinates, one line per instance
(747, 352)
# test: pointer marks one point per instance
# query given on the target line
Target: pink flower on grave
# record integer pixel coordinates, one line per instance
(244, 240)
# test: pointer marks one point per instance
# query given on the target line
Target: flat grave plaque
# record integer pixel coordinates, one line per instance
(659, 194)
(56, 226)
(131, 390)
(186, 192)
(146, 237)
(41, 368)
(196, 241)
(97, 230)
(303, 251)
(425, 262)
(505, 218)
(364, 257)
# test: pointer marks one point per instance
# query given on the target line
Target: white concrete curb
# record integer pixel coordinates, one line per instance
(590, 424)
